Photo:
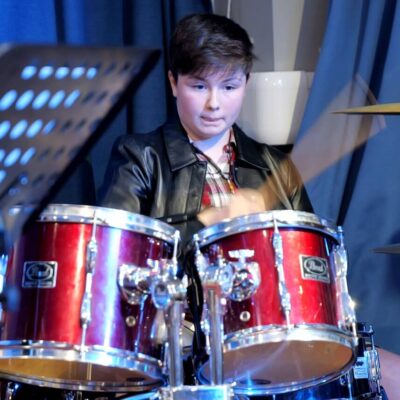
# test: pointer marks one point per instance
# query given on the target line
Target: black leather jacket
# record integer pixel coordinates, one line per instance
(159, 175)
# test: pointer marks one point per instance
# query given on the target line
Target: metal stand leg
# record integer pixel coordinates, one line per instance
(168, 294)
(213, 301)
(173, 318)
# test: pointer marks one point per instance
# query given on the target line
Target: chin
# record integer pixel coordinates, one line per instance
(214, 131)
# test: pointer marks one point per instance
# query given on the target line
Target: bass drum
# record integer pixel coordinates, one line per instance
(75, 328)
(362, 382)
(11, 390)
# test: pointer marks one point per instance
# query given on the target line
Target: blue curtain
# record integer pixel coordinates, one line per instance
(140, 23)
(350, 163)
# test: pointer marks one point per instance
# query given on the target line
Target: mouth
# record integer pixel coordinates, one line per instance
(210, 119)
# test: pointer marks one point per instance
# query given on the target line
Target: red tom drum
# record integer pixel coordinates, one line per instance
(66, 269)
(292, 331)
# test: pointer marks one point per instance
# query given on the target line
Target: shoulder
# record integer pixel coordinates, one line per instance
(140, 139)
(168, 132)
(140, 145)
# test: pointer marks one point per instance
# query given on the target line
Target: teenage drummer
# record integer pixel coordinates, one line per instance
(200, 168)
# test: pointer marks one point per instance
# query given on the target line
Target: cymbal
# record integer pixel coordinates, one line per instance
(388, 108)
(390, 249)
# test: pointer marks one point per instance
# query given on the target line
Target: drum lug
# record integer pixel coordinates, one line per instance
(283, 291)
(86, 314)
(246, 277)
(86, 306)
(346, 313)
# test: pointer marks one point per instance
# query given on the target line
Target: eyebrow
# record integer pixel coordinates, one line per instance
(197, 78)
(232, 78)
(227, 79)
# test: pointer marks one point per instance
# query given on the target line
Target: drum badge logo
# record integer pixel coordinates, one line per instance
(314, 268)
(39, 274)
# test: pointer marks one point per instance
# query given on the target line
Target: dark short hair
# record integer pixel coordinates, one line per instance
(204, 43)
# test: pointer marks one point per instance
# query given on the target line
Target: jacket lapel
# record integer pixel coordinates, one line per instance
(179, 151)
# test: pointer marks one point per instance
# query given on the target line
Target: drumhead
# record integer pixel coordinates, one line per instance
(266, 220)
(108, 217)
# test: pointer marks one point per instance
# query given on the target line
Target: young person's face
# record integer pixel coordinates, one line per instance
(208, 105)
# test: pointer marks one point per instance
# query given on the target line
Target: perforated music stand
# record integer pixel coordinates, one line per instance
(55, 101)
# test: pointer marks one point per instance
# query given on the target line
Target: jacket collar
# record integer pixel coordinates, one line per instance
(180, 153)
(249, 151)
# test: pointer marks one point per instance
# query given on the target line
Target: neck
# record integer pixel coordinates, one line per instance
(213, 147)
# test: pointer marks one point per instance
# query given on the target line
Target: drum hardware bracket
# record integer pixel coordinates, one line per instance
(217, 282)
(247, 277)
(134, 282)
(238, 280)
(200, 260)
(374, 373)
(283, 291)
(168, 294)
(373, 362)
(11, 388)
(73, 396)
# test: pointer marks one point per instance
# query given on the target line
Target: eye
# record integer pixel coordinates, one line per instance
(198, 86)
(230, 87)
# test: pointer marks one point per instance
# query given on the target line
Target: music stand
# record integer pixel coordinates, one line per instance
(55, 101)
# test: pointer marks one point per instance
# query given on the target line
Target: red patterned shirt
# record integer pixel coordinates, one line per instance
(219, 185)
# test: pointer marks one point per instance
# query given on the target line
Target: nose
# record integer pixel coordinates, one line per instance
(213, 101)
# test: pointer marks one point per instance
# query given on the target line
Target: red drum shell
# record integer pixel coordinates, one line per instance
(41, 341)
(262, 353)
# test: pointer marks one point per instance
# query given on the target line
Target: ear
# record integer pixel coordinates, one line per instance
(172, 82)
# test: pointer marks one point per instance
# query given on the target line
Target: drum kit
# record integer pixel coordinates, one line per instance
(103, 310)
